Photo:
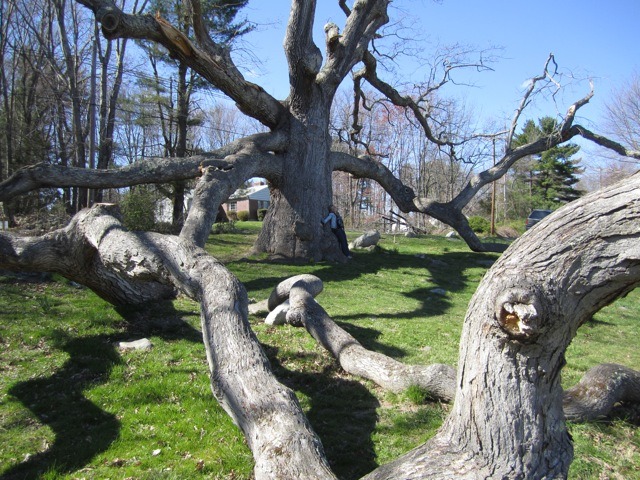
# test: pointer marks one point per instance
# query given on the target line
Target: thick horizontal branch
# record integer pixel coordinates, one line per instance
(407, 201)
(126, 271)
(367, 167)
(156, 170)
(599, 390)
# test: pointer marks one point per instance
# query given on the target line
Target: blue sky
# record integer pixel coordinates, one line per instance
(589, 38)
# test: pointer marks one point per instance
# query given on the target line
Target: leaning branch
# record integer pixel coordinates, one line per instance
(212, 61)
(134, 267)
(407, 201)
(605, 142)
(346, 49)
(216, 185)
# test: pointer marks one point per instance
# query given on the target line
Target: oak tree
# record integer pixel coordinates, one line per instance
(509, 410)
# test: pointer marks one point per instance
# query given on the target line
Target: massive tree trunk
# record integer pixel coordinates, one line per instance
(507, 420)
(301, 196)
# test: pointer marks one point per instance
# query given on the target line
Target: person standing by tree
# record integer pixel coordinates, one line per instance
(337, 227)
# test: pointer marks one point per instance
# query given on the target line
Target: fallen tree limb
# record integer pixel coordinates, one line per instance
(599, 390)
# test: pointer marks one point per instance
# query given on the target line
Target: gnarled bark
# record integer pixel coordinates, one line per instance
(142, 267)
(507, 418)
(437, 379)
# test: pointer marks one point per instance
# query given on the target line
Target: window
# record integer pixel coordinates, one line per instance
(233, 206)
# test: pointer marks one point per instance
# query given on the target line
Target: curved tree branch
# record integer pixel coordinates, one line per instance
(216, 185)
(519, 323)
(437, 379)
(213, 62)
(139, 267)
(345, 50)
(407, 201)
(599, 390)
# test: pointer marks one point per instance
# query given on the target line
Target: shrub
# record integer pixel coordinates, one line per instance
(224, 227)
(138, 209)
(261, 214)
(243, 215)
(479, 224)
(232, 216)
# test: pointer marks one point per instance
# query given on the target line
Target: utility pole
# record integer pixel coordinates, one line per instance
(493, 195)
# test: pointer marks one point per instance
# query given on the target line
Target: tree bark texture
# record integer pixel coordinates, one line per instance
(438, 380)
(301, 190)
(143, 267)
(507, 420)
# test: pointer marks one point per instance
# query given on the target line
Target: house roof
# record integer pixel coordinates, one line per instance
(258, 192)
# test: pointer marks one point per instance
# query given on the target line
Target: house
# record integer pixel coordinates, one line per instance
(249, 199)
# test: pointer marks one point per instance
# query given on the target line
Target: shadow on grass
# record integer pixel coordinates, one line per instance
(368, 337)
(341, 410)
(83, 429)
(444, 271)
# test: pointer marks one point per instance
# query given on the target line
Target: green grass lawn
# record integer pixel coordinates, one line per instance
(73, 406)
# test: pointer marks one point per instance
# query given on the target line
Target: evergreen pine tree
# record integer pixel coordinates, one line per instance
(554, 173)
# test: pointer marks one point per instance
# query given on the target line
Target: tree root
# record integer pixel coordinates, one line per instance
(599, 390)
(594, 396)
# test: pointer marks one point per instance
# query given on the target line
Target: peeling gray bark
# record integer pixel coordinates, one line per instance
(507, 416)
(507, 419)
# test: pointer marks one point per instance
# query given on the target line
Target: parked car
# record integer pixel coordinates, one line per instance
(535, 216)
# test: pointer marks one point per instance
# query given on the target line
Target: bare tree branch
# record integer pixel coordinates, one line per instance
(437, 379)
(345, 50)
(156, 170)
(605, 142)
(602, 387)
(213, 62)
(303, 56)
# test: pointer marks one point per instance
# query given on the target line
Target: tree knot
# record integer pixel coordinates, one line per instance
(519, 314)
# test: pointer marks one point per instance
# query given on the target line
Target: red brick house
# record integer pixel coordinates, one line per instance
(250, 199)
